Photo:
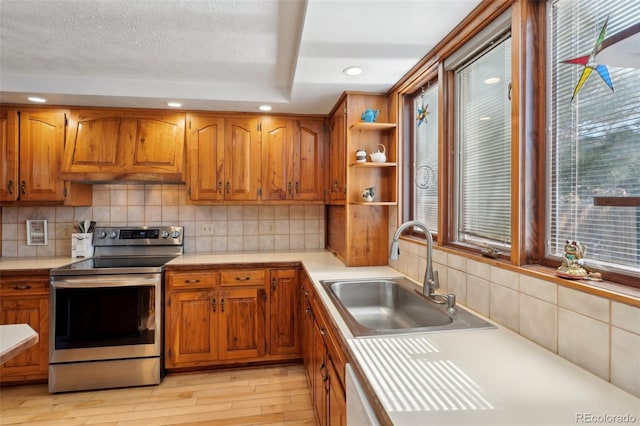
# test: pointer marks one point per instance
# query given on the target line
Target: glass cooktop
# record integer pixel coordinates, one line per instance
(114, 265)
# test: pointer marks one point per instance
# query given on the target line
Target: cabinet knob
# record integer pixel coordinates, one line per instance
(222, 305)
(274, 283)
(297, 187)
(228, 187)
(290, 188)
(23, 187)
(219, 187)
(213, 304)
(10, 187)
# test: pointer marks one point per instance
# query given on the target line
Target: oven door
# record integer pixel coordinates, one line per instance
(99, 317)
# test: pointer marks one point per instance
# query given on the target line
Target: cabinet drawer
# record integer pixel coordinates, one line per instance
(203, 279)
(24, 287)
(235, 277)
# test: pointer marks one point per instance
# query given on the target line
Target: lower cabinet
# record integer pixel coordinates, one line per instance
(25, 300)
(324, 361)
(220, 316)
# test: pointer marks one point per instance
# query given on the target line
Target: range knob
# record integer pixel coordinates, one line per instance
(175, 234)
(164, 234)
(101, 234)
(113, 234)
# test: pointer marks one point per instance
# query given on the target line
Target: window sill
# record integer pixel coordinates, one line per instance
(607, 289)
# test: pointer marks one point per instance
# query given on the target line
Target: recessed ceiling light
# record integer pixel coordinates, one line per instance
(352, 71)
(37, 99)
(492, 80)
(174, 104)
(265, 108)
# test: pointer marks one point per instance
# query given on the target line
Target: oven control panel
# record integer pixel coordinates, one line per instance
(143, 236)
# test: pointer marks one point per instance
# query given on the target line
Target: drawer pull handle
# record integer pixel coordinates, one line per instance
(22, 287)
(213, 304)
(243, 278)
(222, 305)
(322, 331)
(194, 281)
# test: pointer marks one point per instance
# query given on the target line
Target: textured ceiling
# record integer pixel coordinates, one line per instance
(228, 55)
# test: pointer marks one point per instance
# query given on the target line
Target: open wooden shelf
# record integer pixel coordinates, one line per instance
(366, 125)
(373, 165)
(374, 203)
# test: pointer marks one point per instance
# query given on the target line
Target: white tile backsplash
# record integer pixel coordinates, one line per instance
(625, 360)
(235, 228)
(587, 304)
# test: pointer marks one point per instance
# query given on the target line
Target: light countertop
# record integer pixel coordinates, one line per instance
(477, 377)
(15, 338)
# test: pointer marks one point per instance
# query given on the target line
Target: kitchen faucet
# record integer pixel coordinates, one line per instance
(430, 283)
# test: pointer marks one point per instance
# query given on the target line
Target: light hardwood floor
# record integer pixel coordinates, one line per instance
(250, 396)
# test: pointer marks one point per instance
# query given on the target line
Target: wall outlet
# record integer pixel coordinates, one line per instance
(206, 229)
(67, 230)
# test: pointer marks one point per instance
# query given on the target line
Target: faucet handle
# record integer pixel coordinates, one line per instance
(436, 282)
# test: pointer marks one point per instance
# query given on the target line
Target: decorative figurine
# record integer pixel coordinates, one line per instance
(571, 268)
(368, 193)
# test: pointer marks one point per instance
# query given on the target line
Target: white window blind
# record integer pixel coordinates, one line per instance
(483, 147)
(425, 154)
(594, 139)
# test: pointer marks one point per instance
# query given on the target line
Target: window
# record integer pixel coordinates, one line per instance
(482, 167)
(594, 135)
(424, 167)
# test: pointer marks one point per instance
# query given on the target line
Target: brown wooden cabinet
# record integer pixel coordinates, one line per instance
(213, 316)
(205, 146)
(337, 154)
(32, 142)
(115, 144)
(358, 229)
(324, 360)
(242, 159)
(292, 159)
(285, 312)
(25, 300)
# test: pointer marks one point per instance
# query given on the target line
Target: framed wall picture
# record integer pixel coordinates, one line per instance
(37, 232)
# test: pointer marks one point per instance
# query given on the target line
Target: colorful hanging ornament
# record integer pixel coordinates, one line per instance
(421, 117)
(589, 63)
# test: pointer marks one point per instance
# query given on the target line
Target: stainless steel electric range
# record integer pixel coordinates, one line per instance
(106, 311)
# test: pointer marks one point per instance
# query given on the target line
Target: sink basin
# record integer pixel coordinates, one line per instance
(383, 306)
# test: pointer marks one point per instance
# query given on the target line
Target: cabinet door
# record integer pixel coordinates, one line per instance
(277, 159)
(307, 335)
(337, 155)
(242, 323)
(156, 143)
(337, 404)
(191, 328)
(205, 144)
(242, 159)
(94, 143)
(9, 149)
(42, 135)
(34, 362)
(285, 309)
(321, 376)
(309, 175)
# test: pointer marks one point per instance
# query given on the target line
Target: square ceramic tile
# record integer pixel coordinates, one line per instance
(118, 197)
(541, 289)
(267, 227)
(218, 243)
(135, 196)
(251, 213)
(457, 262)
(281, 241)
(504, 306)
(296, 242)
(503, 277)
(250, 243)
(440, 256)
(267, 213)
(9, 215)
(235, 227)
(251, 227)
(266, 242)
(539, 321)
(64, 214)
(296, 227)
(625, 360)
(153, 195)
(135, 214)
(625, 316)
(587, 304)
(186, 213)
(296, 212)
(313, 241)
(457, 284)
(235, 243)
(314, 212)
(281, 212)
(119, 214)
(235, 212)
(584, 341)
(477, 294)
(170, 214)
(282, 227)
(10, 232)
(220, 228)
(203, 244)
(478, 269)
(169, 196)
(10, 248)
(203, 213)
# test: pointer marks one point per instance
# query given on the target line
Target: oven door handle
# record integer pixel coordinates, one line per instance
(116, 281)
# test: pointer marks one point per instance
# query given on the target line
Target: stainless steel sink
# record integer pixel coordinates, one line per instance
(383, 306)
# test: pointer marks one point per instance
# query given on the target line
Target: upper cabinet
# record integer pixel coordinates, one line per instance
(32, 143)
(266, 159)
(108, 145)
(337, 152)
(224, 158)
(292, 159)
